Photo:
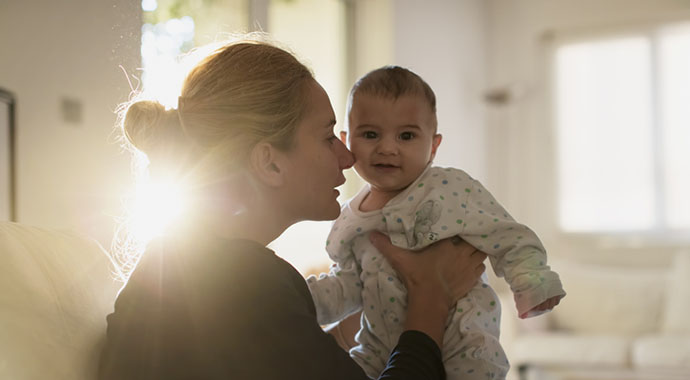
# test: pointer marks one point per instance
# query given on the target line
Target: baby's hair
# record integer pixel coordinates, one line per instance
(393, 82)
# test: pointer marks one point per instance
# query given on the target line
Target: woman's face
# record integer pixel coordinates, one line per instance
(316, 161)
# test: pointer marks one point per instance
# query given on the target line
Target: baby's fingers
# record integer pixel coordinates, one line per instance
(548, 304)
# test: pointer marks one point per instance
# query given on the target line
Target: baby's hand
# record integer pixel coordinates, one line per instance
(542, 307)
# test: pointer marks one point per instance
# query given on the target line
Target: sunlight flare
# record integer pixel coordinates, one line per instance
(156, 206)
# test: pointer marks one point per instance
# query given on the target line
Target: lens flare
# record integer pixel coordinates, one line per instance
(156, 206)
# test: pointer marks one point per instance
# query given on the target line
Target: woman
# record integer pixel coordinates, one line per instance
(253, 141)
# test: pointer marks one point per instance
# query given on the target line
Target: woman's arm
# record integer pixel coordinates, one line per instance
(463, 273)
(436, 279)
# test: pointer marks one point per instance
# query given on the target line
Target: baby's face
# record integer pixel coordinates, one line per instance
(392, 140)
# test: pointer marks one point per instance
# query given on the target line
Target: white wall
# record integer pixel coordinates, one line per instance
(520, 150)
(443, 41)
(70, 175)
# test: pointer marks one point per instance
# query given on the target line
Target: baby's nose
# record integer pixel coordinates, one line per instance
(387, 146)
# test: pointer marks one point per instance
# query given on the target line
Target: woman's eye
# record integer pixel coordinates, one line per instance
(406, 136)
(331, 139)
(370, 135)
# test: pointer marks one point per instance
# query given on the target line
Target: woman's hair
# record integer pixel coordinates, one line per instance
(242, 93)
(392, 82)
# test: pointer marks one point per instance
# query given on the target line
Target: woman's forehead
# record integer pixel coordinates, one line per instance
(318, 112)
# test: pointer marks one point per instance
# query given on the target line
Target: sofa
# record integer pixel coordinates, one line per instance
(56, 288)
(615, 324)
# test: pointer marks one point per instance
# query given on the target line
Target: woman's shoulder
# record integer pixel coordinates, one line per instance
(188, 278)
(210, 264)
(246, 257)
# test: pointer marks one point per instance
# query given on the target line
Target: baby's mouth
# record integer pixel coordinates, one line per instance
(385, 166)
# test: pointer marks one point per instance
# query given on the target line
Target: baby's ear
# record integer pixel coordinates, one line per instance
(343, 137)
(435, 142)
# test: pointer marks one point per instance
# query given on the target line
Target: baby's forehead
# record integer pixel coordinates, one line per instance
(363, 96)
(367, 105)
(389, 113)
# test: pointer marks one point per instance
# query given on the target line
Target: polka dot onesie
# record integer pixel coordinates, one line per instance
(441, 203)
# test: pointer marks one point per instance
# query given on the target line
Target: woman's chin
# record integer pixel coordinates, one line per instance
(336, 213)
(330, 213)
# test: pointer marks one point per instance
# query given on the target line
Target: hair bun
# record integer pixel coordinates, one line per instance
(148, 126)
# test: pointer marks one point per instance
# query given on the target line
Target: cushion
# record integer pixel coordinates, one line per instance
(56, 289)
(676, 318)
(662, 351)
(562, 349)
(610, 300)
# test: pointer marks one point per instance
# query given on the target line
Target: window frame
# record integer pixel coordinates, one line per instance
(8, 184)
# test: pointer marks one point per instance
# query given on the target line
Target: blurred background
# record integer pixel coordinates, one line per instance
(574, 113)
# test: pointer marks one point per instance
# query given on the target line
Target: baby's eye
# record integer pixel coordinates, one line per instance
(370, 135)
(406, 136)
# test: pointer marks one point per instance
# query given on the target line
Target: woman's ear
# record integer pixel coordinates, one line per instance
(267, 164)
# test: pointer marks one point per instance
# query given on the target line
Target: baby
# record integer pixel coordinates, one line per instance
(392, 133)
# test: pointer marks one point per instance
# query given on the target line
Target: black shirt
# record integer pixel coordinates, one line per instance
(209, 308)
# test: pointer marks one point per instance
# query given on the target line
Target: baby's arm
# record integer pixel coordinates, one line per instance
(338, 293)
(515, 251)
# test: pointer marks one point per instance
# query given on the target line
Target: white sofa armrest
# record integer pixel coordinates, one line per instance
(56, 289)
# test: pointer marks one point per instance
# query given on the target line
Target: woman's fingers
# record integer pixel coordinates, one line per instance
(479, 270)
(464, 269)
(475, 257)
(393, 254)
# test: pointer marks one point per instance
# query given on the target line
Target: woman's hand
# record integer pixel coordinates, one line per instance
(435, 278)
(450, 265)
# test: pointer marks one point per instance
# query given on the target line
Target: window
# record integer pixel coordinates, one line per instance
(174, 27)
(623, 132)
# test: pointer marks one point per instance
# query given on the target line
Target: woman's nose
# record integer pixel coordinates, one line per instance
(345, 158)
